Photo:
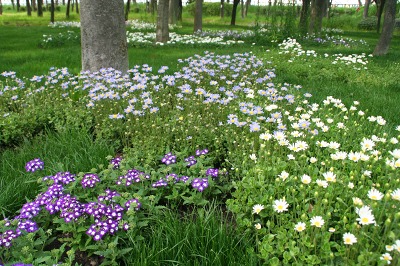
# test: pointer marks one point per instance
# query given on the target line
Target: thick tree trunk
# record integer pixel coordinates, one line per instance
(198, 17)
(380, 12)
(162, 30)
(40, 8)
(180, 10)
(127, 10)
(318, 9)
(234, 9)
(304, 14)
(18, 5)
(366, 8)
(387, 31)
(68, 8)
(242, 8)
(103, 35)
(28, 8)
(52, 9)
(173, 11)
(222, 8)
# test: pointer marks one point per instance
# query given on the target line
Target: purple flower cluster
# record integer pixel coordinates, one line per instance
(133, 175)
(8, 236)
(212, 172)
(200, 184)
(168, 159)
(134, 203)
(90, 180)
(160, 183)
(116, 162)
(201, 152)
(34, 165)
(110, 194)
(191, 161)
(61, 177)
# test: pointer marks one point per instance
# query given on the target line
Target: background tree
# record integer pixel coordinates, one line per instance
(13, 4)
(198, 16)
(103, 35)
(1, 8)
(28, 8)
(366, 8)
(173, 11)
(33, 5)
(234, 9)
(40, 8)
(318, 10)
(382, 47)
(153, 6)
(68, 8)
(162, 30)
(304, 15)
(127, 9)
(52, 9)
(222, 8)
(380, 12)
(18, 5)
(248, 2)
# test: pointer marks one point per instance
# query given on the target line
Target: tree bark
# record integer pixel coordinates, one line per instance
(40, 8)
(1, 8)
(248, 2)
(13, 4)
(52, 8)
(103, 35)
(68, 8)
(380, 12)
(33, 5)
(359, 3)
(318, 9)
(198, 17)
(234, 9)
(173, 11)
(242, 8)
(382, 47)
(366, 8)
(222, 8)
(127, 10)
(162, 30)
(77, 7)
(28, 8)
(153, 6)
(304, 14)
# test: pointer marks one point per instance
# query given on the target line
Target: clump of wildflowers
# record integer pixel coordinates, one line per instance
(34, 165)
(168, 159)
(200, 184)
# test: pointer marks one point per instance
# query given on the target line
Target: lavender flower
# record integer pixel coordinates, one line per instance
(116, 162)
(160, 183)
(168, 159)
(34, 165)
(133, 202)
(200, 184)
(191, 161)
(201, 152)
(212, 172)
(90, 180)
(28, 225)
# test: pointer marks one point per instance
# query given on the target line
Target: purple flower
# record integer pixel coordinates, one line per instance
(200, 184)
(90, 180)
(191, 161)
(109, 195)
(133, 175)
(28, 225)
(34, 165)
(212, 172)
(160, 183)
(201, 152)
(116, 162)
(168, 159)
(133, 202)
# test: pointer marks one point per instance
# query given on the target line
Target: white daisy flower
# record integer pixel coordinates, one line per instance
(300, 226)
(317, 221)
(280, 205)
(365, 215)
(258, 208)
(374, 194)
(349, 239)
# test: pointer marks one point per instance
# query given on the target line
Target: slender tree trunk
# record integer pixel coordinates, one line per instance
(304, 14)
(18, 5)
(77, 7)
(222, 8)
(1, 8)
(242, 8)
(162, 30)
(234, 9)
(40, 8)
(52, 8)
(180, 10)
(318, 9)
(103, 35)
(127, 9)
(198, 17)
(366, 8)
(13, 4)
(28, 8)
(68, 8)
(359, 3)
(382, 47)
(63, 2)
(73, 5)
(248, 2)
(380, 12)
(33, 5)
(153, 7)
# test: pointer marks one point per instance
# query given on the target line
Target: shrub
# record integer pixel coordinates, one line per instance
(369, 23)
(210, 9)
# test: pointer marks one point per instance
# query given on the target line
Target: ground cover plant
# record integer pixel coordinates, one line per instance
(251, 147)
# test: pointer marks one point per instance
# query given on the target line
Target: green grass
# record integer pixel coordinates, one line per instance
(202, 236)
(73, 151)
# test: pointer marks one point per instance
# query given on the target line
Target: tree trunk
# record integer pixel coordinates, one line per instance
(52, 8)
(153, 6)
(73, 5)
(103, 35)
(318, 9)
(162, 30)
(222, 8)
(180, 10)
(304, 14)
(242, 8)
(382, 47)
(68, 7)
(1, 8)
(28, 8)
(13, 4)
(234, 9)
(40, 8)
(366, 8)
(198, 17)
(77, 7)
(18, 5)
(359, 3)
(380, 12)
(127, 10)
(173, 11)
(247, 7)
(33, 5)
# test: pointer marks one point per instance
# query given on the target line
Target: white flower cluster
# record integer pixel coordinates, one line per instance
(65, 24)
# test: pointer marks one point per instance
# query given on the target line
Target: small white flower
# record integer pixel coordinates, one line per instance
(395, 153)
(284, 175)
(300, 226)
(386, 257)
(305, 179)
(365, 215)
(396, 194)
(389, 248)
(313, 160)
(257, 226)
(258, 208)
(357, 201)
(317, 221)
(329, 176)
(374, 194)
(350, 185)
(253, 157)
(322, 183)
(280, 205)
(349, 239)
